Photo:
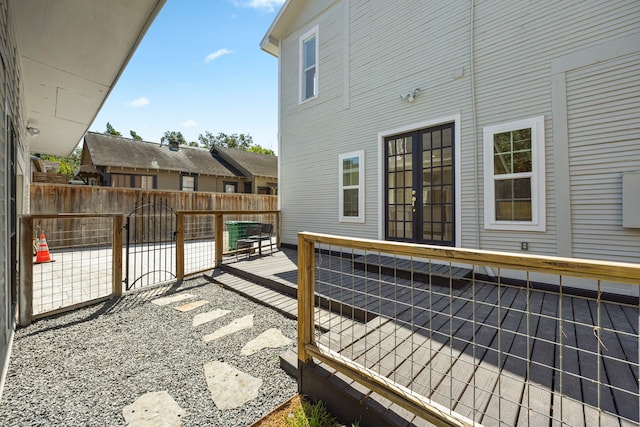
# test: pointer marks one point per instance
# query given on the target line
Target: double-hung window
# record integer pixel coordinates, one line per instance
(514, 175)
(309, 65)
(351, 183)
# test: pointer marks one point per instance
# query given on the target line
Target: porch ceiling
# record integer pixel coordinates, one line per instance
(72, 53)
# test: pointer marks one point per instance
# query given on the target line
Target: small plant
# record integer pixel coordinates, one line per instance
(312, 415)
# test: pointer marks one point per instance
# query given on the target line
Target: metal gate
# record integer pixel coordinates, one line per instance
(150, 255)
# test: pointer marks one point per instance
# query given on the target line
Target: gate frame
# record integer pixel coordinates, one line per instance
(139, 210)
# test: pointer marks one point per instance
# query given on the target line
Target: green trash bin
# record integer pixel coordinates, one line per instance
(237, 230)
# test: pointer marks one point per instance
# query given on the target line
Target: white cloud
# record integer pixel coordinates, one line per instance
(139, 102)
(268, 5)
(217, 54)
(190, 123)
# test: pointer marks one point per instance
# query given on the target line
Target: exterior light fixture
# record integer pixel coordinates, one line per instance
(33, 131)
(411, 96)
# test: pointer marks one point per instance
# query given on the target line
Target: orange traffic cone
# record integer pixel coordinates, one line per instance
(43, 254)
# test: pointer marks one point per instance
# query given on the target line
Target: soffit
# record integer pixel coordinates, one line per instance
(72, 53)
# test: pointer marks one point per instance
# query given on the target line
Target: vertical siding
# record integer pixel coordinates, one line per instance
(395, 47)
(603, 102)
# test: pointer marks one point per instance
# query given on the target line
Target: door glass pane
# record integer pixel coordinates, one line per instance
(391, 164)
(446, 138)
(436, 139)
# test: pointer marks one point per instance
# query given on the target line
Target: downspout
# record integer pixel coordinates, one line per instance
(474, 120)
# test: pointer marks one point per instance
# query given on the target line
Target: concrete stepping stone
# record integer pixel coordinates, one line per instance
(154, 409)
(171, 299)
(191, 306)
(202, 318)
(229, 387)
(233, 327)
(271, 338)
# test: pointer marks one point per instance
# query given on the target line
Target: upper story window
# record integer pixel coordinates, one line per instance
(309, 65)
(351, 183)
(514, 175)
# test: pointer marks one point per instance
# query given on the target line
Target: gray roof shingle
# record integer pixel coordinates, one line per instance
(256, 164)
(108, 150)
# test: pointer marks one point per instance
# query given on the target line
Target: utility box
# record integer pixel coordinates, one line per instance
(631, 200)
(237, 230)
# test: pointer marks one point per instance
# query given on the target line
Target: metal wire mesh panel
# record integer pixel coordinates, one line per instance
(80, 269)
(490, 345)
(199, 243)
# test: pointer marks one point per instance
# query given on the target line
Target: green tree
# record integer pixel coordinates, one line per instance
(135, 136)
(111, 131)
(258, 149)
(194, 144)
(173, 136)
(241, 141)
(68, 164)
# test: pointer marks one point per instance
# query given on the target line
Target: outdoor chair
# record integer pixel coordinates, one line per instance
(257, 234)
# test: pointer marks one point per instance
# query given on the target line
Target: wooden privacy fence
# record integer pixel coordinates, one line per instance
(85, 272)
(456, 345)
(51, 199)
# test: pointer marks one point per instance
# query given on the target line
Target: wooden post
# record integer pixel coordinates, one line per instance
(306, 325)
(116, 256)
(219, 238)
(277, 229)
(180, 246)
(25, 298)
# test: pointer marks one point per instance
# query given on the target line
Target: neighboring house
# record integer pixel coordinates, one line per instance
(56, 71)
(47, 171)
(261, 170)
(114, 161)
(511, 126)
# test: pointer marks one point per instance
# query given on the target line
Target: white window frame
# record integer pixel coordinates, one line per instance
(303, 38)
(360, 187)
(537, 175)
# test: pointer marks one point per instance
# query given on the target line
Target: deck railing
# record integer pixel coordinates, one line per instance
(466, 336)
(88, 255)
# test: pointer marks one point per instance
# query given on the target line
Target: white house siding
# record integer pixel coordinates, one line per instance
(395, 47)
(603, 103)
(515, 45)
(10, 117)
(314, 133)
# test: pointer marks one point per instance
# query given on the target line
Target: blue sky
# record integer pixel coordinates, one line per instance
(200, 68)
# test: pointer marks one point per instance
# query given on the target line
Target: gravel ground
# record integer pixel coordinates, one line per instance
(82, 368)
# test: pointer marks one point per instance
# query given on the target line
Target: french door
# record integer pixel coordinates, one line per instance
(419, 181)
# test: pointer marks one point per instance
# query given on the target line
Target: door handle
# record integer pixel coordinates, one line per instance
(413, 203)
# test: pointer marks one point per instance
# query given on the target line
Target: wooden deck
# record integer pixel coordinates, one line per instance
(486, 351)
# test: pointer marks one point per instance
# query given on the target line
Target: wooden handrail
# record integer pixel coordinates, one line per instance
(584, 268)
